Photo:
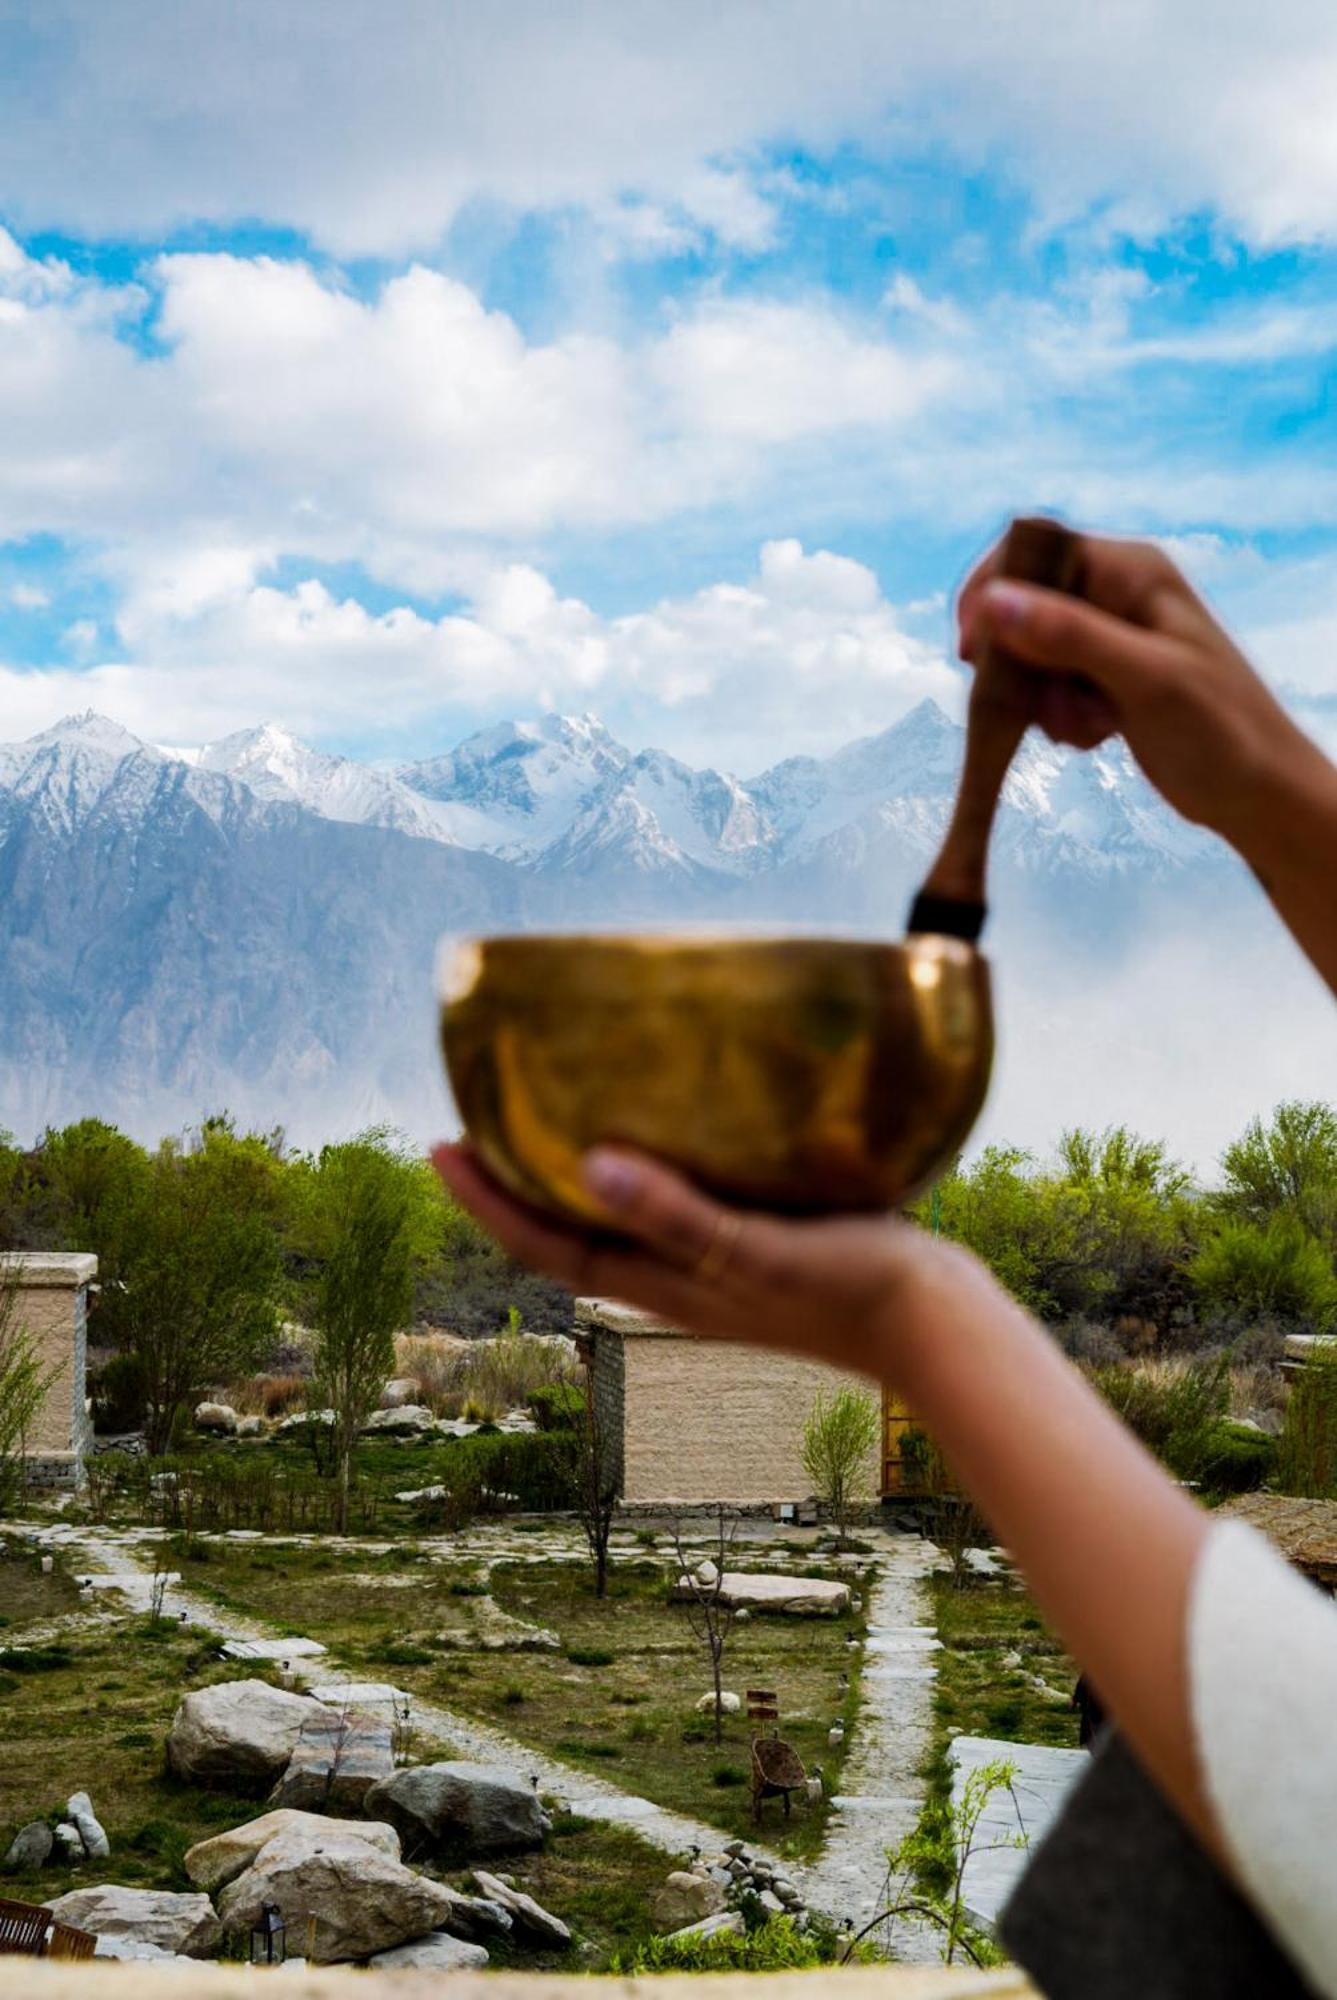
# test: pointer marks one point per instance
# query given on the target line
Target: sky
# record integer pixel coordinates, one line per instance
(387, 370)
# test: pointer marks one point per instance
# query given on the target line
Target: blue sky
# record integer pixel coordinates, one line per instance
(384, 376)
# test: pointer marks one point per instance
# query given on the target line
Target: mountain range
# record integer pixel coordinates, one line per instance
(250, 923)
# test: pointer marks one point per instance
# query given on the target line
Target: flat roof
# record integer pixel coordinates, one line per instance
(628, 1322)
(50, 1267)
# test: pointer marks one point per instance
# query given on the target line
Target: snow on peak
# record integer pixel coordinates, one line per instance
(90, 731)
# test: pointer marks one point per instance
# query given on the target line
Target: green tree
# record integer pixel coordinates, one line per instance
(198, 1295)
(1286, 1169)
(840, 1437)
(367, 1214)
(87, 1182)
(1271, 1269)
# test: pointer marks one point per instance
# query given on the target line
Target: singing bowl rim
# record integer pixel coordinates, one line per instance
(461, 955)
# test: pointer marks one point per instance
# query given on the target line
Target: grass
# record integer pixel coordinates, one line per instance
(96, 1721)
(593, 1705)
(977, 1695)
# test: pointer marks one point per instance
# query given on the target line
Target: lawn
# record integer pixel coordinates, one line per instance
(978, 1692)
(89, 1710)
(617, 1699)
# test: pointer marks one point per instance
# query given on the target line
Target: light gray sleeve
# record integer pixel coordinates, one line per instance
(1263, 1698)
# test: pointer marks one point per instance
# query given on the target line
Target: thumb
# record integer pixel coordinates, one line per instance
(1062, 634)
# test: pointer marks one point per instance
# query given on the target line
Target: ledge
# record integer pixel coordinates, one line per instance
(49, 1267)
(44, 1979)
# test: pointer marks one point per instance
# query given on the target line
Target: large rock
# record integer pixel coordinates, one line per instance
(684, 1900)
(399, 1392)
(725, 1921)
(30, 1848)
(357, 1900)
(220, 1418)
(481, 1807)
(438, 1952)
(211, 1863)
(239, 1734)
(336, 1760)
(799, 1596)
(283, 1651)
(177, 1923)
(412, 1420)
(476, 1918)
(530, 1918)
(91, 1831)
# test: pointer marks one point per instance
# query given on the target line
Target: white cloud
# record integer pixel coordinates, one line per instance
(27, 597)
(372, 130)
(281, 412)
(802, 655)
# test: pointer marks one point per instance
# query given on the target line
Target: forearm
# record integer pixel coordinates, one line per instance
(1107, 1541)
(1287, 833)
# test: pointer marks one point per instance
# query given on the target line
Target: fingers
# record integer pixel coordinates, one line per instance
(579, 1261)
(1067, 635)
(667, 1214)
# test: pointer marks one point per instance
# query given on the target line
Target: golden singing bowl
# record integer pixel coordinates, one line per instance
(801, 1074)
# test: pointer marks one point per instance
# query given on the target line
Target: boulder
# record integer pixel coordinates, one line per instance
(212, 1863)
(412, 1420)
(250, 1427)
(399, 1392)
(530, 1918)
(477, 1918)
(730, 1704)
(771, 1903)
(80, 1810)
(238, 1734)
(722, 1921)
(358, 1901)
(220, 1418)
(683, 1900)
(482, 1807)
(337, 1758)
(177, 1923)
(30, 1848)
(300, 1419)
(127, 1950)
(70, 1842)
(437, 1952)
(798, 1596)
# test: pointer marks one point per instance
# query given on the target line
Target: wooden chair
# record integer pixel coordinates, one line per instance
(24, 1929)
(777, 1768)
(68, 1942)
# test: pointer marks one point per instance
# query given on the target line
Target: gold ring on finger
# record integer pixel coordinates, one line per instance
(718, 1253)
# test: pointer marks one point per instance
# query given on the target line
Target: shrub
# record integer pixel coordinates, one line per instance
(1174, 1407)
(726, 1776)
(590, 1656)
(557, 1406)
(118, 1394)
(775, 1946)
(1236, 1459)
(1307, 1448)
(529, 1473)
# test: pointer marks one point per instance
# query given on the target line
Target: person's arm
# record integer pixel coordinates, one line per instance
(1141, 656)
(1106, 1539)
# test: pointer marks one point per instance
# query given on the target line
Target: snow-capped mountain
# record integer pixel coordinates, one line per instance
(251, 923)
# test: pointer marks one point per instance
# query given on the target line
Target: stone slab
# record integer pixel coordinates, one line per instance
(1013, 1820)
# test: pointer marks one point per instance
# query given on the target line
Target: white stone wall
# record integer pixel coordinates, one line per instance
(50, 1307)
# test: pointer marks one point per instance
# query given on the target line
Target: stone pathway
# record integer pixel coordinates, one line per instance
(1013, 1820)
(882, 1793)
